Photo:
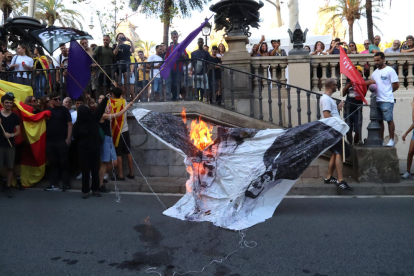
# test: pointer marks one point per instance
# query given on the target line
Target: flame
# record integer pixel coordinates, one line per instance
(184, 116)
(201, 134)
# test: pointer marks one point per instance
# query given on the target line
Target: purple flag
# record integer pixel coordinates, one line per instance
(176, 54)
(79, 73)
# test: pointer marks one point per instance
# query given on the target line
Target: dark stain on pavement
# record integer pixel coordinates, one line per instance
(65, 260)
(55, 258)
(222, 270)
(113, 264)
(306, 271)
(72, 262)
(101, 261)
(149, 234)
(143, 259)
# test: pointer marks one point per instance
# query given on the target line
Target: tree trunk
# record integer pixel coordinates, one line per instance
(370, 25)
(6, 13)
(293, 6)
(166, 21)
(351, 31)
(278, 15)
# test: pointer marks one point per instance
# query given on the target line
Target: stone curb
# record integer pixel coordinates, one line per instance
(311, 187)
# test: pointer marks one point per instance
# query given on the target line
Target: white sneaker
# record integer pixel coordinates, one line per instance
(406, 175)
(106, 176)
(79, 177)
(391, 143)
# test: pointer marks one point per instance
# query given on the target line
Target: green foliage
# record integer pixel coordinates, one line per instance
(107, 18)
(13, 7)
(147, 46)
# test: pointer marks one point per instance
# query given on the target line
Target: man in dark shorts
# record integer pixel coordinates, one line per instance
(122, 53)
(58, 140)
(104, 56)
(124, 144)
(10, 122)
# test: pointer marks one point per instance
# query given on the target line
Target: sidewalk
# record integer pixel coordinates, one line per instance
(305, 186)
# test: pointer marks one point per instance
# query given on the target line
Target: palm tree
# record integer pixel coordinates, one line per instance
(370, 23)
(9, 7)
(145, 46)
(166, 10)
(50, 11)
(350, 11)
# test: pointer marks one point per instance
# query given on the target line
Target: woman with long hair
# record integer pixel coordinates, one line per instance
(22, 62)
(30, 100)
(254, 52)
(352, 49)
(264, 51)
(7, 59)
(319, 49)
(44, 103)
(221, 50)
(41, 63)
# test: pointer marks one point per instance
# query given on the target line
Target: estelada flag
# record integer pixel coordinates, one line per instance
(349, 70)
(44, 62)
(34, 144)
(117, 124)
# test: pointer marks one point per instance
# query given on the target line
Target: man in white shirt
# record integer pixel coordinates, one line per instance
(156, 83)
(330, 109)
(387, 82)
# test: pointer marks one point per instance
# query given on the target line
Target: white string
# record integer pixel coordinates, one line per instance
(117, 194)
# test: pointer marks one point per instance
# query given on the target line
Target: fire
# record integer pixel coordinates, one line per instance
(200, 132)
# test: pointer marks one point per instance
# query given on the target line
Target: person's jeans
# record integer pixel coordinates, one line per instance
(57, 153)
(40, 85)
(173, 85)
(90, 165)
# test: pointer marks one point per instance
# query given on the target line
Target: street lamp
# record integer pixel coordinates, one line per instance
(206, 29)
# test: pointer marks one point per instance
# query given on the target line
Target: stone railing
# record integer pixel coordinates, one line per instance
(270, 67)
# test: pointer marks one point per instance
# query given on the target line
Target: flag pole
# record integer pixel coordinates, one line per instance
(342, 116)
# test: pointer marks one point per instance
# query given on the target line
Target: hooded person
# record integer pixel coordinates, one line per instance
(87, 134)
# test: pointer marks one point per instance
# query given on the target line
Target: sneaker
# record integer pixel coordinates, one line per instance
(344, 186)
(79, 177)
(391, 143)
(96, 193)
(406, 175)
(130, 176)
(85, 195)
(51, 188)
(331, 180)
(102, 189)
(19, 186)
(8, 192)
(106, 176)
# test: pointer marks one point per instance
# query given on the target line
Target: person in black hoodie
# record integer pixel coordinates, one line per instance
(86, 133)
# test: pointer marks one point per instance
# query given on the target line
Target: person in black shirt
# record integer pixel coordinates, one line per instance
(200, 69)
(122, 53)
(214, 87)
(9, 121)
(58, 139)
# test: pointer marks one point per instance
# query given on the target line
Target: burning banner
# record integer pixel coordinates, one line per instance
(238, 179)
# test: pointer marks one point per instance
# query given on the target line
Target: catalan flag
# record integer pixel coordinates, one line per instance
(33, 136)
(116, 106)
(42, 60)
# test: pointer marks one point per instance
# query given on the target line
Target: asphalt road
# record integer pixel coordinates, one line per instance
(55, 233)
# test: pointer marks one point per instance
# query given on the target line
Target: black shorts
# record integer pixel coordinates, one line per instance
(123, 146)
(142, 84)
(102, 76)
(339, 149)
(121, 66)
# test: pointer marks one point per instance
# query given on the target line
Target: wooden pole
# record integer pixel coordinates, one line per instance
(1, 125)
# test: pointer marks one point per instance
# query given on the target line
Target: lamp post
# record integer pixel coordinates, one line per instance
(206, 30)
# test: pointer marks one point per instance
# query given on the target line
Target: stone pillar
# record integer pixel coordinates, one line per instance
(237, 58)
(299, 71)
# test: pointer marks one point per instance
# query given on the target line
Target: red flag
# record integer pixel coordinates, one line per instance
(349, 70)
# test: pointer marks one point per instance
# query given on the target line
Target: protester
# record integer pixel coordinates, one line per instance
(410, 156)
(214, 87)
(86, 134)
(353, 115)
(58, 138)
(143, 80)
(277, 51)
(254, 52)
(10, 122)
(22, 62)
(175, 74)
(164, 50)
(108, 154)
(93, 46)
(7, 59)
(41, 79)
(409, 46)
(30, 100)
(122, 53)
(319, 49)
(394, 49)
(330, 109)
(124, 144)
(156, 83)
(387, 82)
(74, 157)
(366, 46)
(352, 48)
(206, 48)
(44, 103)
(104, 55)
(374, 48)
(200, 69)
(307, 48)
(263, 50)
(221, 50)
(64, 54)
(334, 50)
(67, 102)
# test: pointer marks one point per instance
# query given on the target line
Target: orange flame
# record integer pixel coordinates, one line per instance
(201, 134)
(184, 116)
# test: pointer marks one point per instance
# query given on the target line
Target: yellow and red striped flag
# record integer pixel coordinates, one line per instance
(117, 124)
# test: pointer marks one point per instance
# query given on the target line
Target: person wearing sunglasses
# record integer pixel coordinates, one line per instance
(352, 49)
(58, 137)
(366, 46)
